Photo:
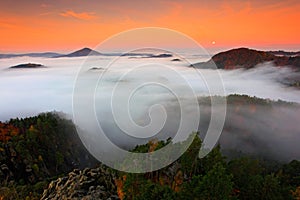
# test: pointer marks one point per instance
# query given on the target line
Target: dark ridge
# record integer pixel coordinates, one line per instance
(247, 58)
(96, 68)
(28, 66)
(82, 52)
(163, 55)
(285, 53)
(43, 55)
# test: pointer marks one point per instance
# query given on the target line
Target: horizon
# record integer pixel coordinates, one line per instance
(211, 50)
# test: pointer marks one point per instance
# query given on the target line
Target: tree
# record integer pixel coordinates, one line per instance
(150, 190)
(213, 158)
(247, 177)
(59, 159)
(271, 188)
(216, 184)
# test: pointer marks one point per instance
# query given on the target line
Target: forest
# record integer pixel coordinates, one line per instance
(37, 151)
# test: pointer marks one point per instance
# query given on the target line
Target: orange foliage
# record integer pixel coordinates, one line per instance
(178, 180)
(7, 131)
(296, 193)
(120, 185)
(31, 128)
(152, 145)
(164, 180)
(236, 192)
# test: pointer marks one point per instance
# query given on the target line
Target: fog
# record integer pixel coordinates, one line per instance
(154, 108)
(268, 131)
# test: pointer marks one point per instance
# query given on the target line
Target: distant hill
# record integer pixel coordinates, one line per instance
(248, 58)
(82, 52)
(43, 55)
(285, 53)
(27, 66)
(79, 53)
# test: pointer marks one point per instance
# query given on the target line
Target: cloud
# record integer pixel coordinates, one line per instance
(82, 15)
(262, 130)
(43, 5)
(46, 13)
(6, 24)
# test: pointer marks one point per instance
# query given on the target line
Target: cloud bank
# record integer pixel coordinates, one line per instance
(270, 131)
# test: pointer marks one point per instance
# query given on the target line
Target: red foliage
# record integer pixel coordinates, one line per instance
(7, 131)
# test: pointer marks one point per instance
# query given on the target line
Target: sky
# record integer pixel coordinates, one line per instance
(67, 25)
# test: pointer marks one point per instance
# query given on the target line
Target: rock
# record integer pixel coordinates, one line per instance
(28, 169)
(87, 184)
(4, 167)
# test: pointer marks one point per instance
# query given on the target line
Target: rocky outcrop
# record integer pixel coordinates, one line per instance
(87, 184)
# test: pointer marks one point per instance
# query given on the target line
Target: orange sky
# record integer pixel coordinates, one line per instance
(65, 25)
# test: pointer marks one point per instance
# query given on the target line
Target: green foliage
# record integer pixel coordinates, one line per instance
(212, 177)
(48, 145)
(216, 184)
(291, 173)
(213, 158)
(150, 190)
(271, 189)
(45, 146)
(189, 160)
(59, 159)
(247, 177)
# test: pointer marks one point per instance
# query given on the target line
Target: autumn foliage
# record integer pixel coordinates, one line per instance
(7, 131)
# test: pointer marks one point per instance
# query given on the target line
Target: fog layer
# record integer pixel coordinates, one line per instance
(273, 131)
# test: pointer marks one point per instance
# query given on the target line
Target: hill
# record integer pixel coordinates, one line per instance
(36, 149)
(78, 53)
(27, 66)
(248, 58)
(285, 53)
(43, 55)
(42, 156)
(82, 52)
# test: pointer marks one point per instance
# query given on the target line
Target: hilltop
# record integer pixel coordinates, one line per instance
(27, 66)
(82, 52)
(249, 58)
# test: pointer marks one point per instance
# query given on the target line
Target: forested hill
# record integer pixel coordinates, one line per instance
(248, 58)
(37, 148)
(42, 157)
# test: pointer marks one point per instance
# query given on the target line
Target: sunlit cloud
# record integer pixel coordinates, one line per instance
(6, 24)
(77, 15)
(46, 13)
(45, 5)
